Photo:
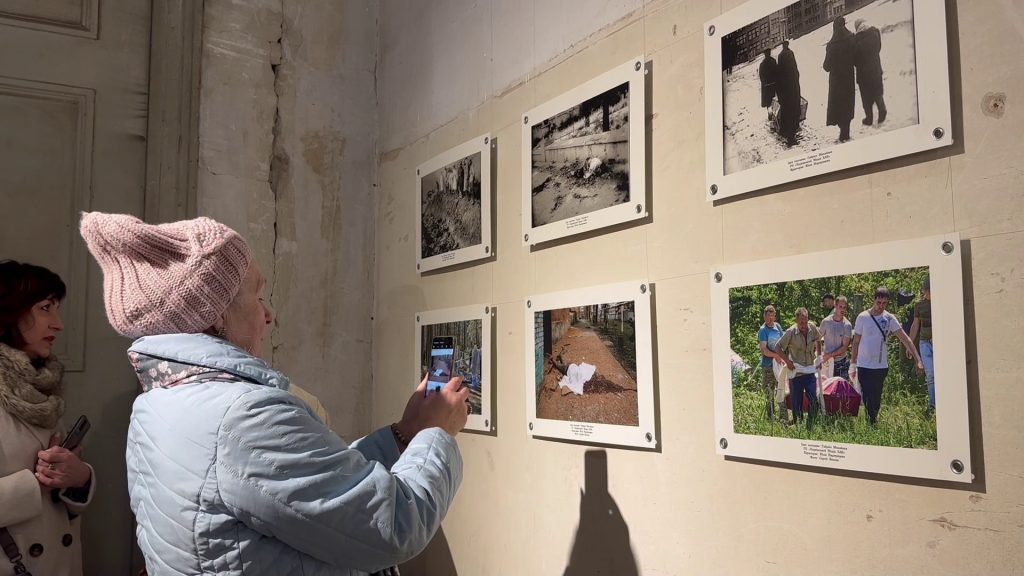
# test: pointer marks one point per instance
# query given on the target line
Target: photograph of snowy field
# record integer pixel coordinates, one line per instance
(586, 364)
(580, 158)
(816, 74)
(451, 207)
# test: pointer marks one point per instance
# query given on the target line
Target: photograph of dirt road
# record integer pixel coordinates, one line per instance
(468, 336)
(585, 359)
(580, 158)
(450, 207)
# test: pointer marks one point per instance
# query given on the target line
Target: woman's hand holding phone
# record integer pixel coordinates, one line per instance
(444, 408)
(58, 467)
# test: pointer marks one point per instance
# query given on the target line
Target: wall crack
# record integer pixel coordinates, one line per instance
(278, 168)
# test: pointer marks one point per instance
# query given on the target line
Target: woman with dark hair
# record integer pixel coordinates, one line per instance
(43, 487)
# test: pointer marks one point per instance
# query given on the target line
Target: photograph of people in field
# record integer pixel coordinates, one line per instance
(840, 359)
(585, 361)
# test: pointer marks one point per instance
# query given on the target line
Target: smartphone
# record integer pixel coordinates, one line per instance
(76, 434)
(442, 356)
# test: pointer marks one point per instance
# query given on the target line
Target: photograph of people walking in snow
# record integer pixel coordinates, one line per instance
(589, 370)
(454, 206)
(839, 358)
(584, 157)
(827, 63)
(803, 82)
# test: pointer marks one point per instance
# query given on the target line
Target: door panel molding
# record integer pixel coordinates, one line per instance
(85, 24)
(84, 102)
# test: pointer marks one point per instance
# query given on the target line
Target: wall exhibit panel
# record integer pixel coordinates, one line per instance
(687, 509)
(47, 137)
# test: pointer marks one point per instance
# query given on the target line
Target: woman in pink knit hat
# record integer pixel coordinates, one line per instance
(43, 487)
(228, 473)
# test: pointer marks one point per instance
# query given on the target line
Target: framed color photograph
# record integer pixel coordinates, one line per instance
(851, 359)
(454, 206)
(584, 155)
(799, 89)
(589, 376)
(457, 342)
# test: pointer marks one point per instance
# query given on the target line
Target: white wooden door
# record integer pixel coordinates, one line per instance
(74, 78)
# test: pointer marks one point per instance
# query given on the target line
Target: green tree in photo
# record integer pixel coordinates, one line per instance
(902, 423)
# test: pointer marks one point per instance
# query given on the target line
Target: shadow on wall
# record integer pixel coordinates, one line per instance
(602, 539)
(435, 560)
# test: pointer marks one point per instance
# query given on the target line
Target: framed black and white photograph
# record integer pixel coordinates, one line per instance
(588, 366)
(457, 342)
(799, 89)
(584, 155)
(851, 359)
(453, 210)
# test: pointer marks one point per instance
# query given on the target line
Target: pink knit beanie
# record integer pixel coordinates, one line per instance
(165, 278)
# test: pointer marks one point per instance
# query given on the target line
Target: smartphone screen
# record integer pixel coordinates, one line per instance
(442, 356)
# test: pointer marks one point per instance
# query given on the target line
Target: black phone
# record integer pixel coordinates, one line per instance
(76, 434)
(442, 357)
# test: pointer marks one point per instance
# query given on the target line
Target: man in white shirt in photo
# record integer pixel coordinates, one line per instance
(869, 361)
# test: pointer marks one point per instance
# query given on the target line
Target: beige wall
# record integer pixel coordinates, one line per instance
(287, 157)
(687, 510)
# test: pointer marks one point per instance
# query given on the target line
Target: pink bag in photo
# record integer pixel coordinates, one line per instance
(840, 397)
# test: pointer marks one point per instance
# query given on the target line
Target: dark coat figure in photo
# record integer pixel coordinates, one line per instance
(839, 60)
(787, 87)
(766, 72)
(867, 60)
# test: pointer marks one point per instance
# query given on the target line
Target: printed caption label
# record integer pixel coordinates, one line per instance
(816, 159)
(823, 452)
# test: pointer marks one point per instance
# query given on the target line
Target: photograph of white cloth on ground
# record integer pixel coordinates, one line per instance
(590, 372)
(813, 86)
(836, 373)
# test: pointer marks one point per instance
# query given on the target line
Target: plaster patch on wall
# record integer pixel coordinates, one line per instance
(323, 152)
(993, 104)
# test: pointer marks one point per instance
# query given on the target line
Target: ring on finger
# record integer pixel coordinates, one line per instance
(49, 466)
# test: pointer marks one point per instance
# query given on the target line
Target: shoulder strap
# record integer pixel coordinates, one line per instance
(13, 554)
(884, 335)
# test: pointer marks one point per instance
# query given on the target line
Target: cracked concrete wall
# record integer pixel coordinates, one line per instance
(287, 157)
